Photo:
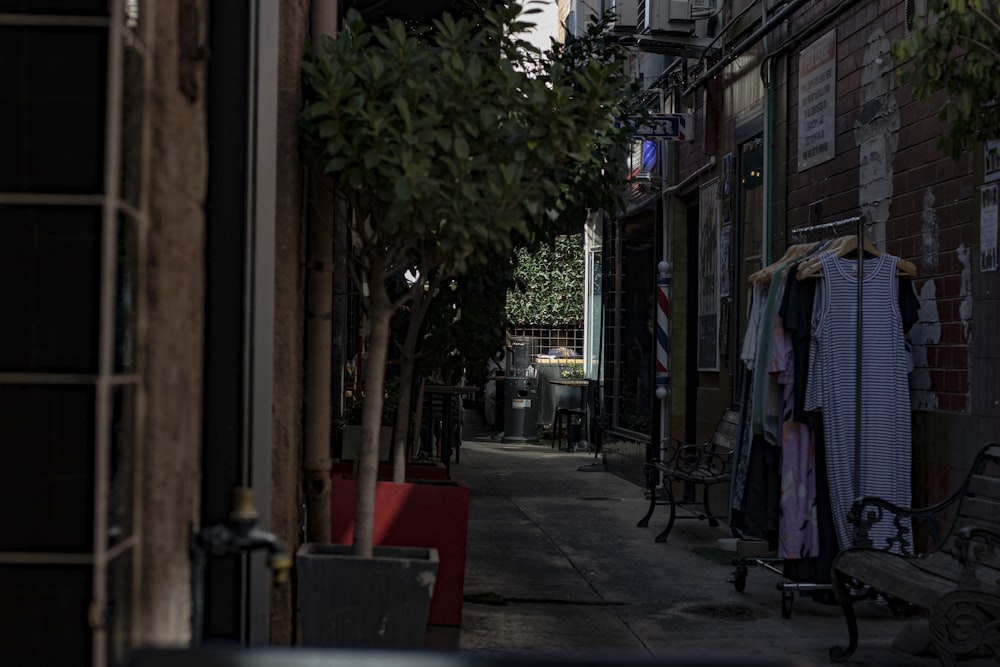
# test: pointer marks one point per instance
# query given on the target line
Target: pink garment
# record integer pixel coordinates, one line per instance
(798, 531)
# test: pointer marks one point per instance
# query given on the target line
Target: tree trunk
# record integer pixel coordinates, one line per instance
(380, 314)
(403, 414)
(407, 361)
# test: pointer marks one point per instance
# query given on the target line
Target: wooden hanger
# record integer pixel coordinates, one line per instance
(791, 253)
(843, 245)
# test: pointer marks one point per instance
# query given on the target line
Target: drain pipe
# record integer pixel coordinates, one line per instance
(740, 48)
(708, 166)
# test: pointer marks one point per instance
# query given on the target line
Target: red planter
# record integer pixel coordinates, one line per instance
(419, 513)
(414, 470)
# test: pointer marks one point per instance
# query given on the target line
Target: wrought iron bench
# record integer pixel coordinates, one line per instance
(697, 466)
(956, 579)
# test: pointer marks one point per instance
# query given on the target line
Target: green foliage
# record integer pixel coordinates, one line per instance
(452, 145)
(461, 141)
(956, 48)
(549, 284)
(572, 371)
(465, 326)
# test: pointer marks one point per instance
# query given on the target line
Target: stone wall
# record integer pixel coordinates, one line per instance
(172, 311)
(289, 309)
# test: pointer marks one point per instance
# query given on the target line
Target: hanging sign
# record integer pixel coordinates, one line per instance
(665, 126)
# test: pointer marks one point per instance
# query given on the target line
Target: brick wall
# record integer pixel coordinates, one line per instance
(926, 210)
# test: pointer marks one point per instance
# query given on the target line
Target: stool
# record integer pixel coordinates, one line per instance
(566, 414)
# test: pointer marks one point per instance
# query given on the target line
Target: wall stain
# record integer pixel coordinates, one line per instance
(925, 333)
(930, 245)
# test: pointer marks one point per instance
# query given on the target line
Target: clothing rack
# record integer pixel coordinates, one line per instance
(807, 234)
(824, 230)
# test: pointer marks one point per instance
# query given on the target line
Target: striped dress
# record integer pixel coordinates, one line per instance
(885, 443)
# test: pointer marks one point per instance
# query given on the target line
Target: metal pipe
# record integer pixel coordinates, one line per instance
(690, 177)
(740, 48)
(814, 26)
(322, 222)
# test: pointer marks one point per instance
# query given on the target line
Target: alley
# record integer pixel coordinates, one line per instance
(556, 565)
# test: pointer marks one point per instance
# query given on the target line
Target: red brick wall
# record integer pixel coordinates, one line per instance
(933, 222)
(931, 217)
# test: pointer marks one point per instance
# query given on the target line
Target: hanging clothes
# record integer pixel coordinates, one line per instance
(748, 355)
(756, 483)
(798, 532)
(885, 439)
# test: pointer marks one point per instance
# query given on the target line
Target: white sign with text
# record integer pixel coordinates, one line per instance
(818, 101)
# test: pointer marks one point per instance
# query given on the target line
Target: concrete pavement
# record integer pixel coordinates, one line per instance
(557, 567)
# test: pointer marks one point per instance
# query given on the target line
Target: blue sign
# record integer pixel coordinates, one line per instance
(665, 126)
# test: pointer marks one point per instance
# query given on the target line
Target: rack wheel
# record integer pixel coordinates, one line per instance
(787, 597)
(740, 578)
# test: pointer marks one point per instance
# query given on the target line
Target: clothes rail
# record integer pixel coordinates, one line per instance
(824, 230)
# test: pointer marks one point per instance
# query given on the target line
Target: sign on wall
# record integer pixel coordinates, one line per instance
(818, 101)
(991, 161)
(988, 227)
(708, 276)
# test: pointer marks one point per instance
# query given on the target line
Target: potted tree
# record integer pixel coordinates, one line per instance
(448, 147)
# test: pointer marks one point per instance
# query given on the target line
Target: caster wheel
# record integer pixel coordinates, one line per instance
(740, 579)
(786, 605)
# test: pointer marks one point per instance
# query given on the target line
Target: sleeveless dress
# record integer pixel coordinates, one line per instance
(885, 444)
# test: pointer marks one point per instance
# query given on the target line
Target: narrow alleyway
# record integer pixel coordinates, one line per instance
(556, 565)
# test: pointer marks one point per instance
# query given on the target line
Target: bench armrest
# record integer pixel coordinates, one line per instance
(867, 511)
(689, 457)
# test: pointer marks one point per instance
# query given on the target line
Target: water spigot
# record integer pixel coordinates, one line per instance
(237, 534)
(281, 566)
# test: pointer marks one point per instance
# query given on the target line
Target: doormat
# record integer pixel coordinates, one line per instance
(717, 556)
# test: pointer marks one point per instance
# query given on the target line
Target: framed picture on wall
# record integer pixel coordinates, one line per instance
(708, 276)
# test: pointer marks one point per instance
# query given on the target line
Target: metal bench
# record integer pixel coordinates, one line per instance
(697, 466)
(956, 578)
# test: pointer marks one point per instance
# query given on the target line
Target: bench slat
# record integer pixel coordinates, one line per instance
(981, 485)
(920, 581)
(979, 511)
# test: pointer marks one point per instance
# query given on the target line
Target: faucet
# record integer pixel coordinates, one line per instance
(239, 533)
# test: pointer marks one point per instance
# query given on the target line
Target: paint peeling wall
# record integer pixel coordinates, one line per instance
(877, 135)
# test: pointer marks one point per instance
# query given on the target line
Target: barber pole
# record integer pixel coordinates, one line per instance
(663, 330)
(663, 352)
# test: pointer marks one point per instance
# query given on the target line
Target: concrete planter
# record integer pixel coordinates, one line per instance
(351, 601)
(419, 513)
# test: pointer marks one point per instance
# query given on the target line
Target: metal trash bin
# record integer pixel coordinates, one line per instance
(520, 421)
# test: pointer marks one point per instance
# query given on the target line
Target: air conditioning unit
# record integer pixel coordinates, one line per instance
(670, 17)
(626, 15)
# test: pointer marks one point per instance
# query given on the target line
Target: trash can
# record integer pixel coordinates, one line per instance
(520, 420)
